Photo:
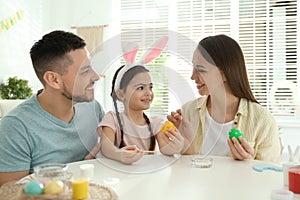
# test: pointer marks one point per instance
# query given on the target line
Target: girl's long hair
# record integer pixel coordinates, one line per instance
(127, 77)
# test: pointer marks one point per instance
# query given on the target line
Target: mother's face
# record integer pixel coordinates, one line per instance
(208, 77)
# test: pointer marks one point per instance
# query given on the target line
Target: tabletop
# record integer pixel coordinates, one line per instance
(167, 177)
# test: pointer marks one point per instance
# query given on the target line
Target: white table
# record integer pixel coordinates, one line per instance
(162, 177)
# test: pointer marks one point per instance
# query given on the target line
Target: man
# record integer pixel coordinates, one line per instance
(59, 123)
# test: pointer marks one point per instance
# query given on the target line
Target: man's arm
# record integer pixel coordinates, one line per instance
(12, 176)
(15, 157)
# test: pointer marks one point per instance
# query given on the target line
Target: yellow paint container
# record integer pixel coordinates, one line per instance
(80, 187)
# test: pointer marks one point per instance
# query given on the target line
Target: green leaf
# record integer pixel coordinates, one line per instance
(15, 89)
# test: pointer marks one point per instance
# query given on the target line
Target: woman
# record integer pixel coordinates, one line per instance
(226, 102)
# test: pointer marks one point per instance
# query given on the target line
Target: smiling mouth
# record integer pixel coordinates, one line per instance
(147, 100)
(199, 86)
(90, 88)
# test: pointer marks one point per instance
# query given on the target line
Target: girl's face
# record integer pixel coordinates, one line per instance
(208, 77)
(138, 94)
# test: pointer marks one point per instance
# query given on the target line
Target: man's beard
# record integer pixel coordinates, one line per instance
(74, 98)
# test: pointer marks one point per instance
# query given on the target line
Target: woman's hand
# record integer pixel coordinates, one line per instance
(130, 154)
(240, 151)
(171, 142)
(185, 129)
(175, 118)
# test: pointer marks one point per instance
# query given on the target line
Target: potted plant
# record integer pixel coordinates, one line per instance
(15, 89)
(13, 92)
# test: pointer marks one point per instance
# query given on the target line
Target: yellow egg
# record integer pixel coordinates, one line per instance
(166, 126)
(54, 187)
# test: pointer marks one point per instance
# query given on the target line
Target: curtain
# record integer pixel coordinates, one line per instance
(93, 36)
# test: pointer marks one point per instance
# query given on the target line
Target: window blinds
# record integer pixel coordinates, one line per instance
(268, 36)
(265, 29)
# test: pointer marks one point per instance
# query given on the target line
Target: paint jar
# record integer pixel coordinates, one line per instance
(294, 179)
(201, 162)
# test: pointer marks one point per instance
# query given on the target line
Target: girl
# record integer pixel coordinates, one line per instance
(127, 135)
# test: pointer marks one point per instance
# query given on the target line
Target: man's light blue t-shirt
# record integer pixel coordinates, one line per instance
(30, 136)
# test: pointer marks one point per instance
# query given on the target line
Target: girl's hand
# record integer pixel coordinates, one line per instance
(175, 118)
(94, 152)
(240, 151)
(173, 141)
(130, 154)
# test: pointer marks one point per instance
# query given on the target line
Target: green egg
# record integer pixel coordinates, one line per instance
(236, 133)
(33, 188)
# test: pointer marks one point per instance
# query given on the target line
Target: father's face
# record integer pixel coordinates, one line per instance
(79, 80)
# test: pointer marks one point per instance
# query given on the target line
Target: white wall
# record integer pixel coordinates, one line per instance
(16, 41)
(43, 16)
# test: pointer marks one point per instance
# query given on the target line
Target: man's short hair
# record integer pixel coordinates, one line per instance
(50, 52)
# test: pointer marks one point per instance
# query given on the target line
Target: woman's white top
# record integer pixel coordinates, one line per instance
(215, 137)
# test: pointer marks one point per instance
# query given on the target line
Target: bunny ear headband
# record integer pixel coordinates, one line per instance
(130, 50)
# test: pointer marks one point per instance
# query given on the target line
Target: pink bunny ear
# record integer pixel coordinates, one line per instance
(155, 51)
(130, 50)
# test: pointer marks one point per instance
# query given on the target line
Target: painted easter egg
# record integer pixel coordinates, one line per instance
(33, 188)
(54, 187)
(236, 133)
(166, 126)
